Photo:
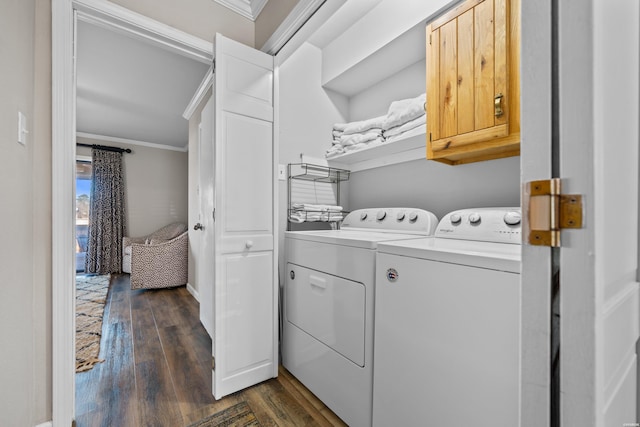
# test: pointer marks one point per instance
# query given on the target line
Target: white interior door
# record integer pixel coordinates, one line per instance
(205, 268)
(245, 292)
(596, 128)
(598, 133)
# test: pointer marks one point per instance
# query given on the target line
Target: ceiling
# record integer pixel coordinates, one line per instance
(131, 89)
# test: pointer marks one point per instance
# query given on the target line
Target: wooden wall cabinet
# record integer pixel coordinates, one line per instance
(473, 82)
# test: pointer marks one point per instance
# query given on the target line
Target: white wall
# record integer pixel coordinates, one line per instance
(438, 187)
(156, 186)
(19, 331)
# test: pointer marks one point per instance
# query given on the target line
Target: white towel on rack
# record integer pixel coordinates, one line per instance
(403, 111)
(316, 208)
(303, 216)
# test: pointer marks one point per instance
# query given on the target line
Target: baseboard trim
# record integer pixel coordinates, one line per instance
(46, 424)
(193, 291)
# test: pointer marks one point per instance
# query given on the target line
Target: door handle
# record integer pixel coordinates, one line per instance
(198, 226)
(497, 105)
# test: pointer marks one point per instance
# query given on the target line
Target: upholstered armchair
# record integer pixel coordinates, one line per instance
(158, 260)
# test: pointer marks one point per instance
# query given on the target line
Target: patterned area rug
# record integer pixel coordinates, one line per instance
(91, 296)
(239, 415)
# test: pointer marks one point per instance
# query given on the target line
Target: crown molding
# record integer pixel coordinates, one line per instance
(131, 142)
(250, 9)
(291, 24)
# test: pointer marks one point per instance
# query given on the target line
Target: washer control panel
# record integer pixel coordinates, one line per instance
(404, 220)
(501, 225)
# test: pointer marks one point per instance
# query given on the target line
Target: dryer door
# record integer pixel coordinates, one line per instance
(329, 308)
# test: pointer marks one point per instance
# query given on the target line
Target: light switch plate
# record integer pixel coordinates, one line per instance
(22, 128)
(282, 172)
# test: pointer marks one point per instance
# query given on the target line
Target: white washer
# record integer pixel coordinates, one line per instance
(329, 305)
(447, 348)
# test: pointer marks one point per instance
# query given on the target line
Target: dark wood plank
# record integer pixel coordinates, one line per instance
(105, 395)
(157, 400)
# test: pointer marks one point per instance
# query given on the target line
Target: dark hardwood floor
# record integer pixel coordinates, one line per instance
(157, 370)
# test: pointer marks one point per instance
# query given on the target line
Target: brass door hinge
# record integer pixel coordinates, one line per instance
(549, 211)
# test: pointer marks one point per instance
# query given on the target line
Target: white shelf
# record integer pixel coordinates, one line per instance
(385, 154)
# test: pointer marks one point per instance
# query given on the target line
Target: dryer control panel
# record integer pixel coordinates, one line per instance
(403, 220)
(500, 225)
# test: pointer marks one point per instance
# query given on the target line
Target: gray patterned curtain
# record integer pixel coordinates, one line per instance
(106, 213)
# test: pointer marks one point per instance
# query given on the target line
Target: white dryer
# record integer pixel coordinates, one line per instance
(329, 305)
(447, 348)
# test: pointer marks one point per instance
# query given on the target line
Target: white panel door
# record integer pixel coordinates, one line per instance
(245, 292)
(596, 111)
(205, 268)
(598, 133)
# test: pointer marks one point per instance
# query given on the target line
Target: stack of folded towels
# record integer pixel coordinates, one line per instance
(356, 135)
(306, 212)
(405, 118)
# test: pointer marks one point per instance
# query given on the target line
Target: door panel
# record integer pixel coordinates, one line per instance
(247, 159)
(484, 65)
(245, 298)
(245, 293)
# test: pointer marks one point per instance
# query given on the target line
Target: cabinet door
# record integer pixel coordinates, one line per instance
(469, 83)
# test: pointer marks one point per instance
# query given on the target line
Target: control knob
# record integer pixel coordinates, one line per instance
(413, 216)
(474, 218)
(400, 216)
(381, 215)
(363, 216)
(455, 218)
(512, 218)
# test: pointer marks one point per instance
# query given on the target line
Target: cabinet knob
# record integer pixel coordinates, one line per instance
(249, 244)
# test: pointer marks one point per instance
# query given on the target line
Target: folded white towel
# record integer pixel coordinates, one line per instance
(403, 111)
(317, 208)
(357, 138)
(340, 127)
(420, 130)
(364, 125)
(336, 133)
(301, 216)
(397, 130)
